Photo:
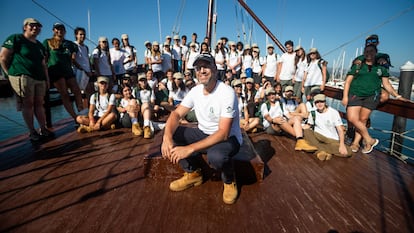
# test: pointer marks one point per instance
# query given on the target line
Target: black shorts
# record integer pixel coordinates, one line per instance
(369, 102)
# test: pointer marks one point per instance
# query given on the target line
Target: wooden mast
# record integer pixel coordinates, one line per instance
(209, 21)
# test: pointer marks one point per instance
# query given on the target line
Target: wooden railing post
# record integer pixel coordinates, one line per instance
(404, 89)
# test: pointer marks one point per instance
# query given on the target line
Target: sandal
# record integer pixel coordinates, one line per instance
(354, 148)
(368, 148)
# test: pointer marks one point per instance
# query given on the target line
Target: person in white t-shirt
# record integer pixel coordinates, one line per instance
(286, 66)
(218, 132)
(270, 65)
(315, 73)
(328, 134)
(118, 57)
(101, 113)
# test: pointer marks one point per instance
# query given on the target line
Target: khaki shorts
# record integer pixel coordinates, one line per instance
(26, 86)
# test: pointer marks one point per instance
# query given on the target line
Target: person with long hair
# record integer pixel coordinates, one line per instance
(219, 55)
(128, 108)
(315, 73)
(362, 92)
(61, 54)
(156, 61)
(300, 64)
(145, 94)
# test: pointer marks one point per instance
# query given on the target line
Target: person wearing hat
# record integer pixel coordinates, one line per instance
(234, 61)
(60, 54)
(22, 60)
(286, 66)
(190, 58)
(147, 55)
(167, 60)
(328, 133)
(176, 54)
(194, 40)
(178, 90)
(315, 73)
(247, 61)
(156, 61)
(102, 61)
(275, 122)
(247, 122)
(101, 115)
(270, 65)
(118, 58)
(184, 52)
(361, 95)
(130, 64)
(310, 105)
(301, 63)
(218, 132)
(219, 55)
(256, 67)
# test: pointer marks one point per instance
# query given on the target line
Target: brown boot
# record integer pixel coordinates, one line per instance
(187, 181)
(302, 144)
(136, 129)
(230, 193)
(323, 155)
(84, 129)
(147, 132)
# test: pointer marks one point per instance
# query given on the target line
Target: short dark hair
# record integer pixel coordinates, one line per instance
(77, 29)
(289, 42)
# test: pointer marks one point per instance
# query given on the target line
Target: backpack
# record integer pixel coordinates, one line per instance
(328, 75)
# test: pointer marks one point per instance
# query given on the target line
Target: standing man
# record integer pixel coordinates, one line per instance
(176, 54)
(22, 58)
(218, 132)
(286, 66)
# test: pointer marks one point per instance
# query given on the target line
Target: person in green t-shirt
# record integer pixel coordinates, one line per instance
(22, 58)
(60, 54)
(362, 92)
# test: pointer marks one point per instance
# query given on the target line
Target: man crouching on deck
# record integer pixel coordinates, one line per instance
(218, 133)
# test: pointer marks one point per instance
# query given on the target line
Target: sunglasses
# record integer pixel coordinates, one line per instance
(35, 25)
(319, 101)
(103, 83)
(372, 41)
(198, 68)
(238, 85)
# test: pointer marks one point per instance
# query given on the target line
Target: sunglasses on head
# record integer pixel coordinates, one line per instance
(372, 41)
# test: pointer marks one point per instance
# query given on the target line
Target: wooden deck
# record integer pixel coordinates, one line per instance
(95, 183)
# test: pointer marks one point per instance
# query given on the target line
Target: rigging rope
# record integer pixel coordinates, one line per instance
(177, 24)
(237, 21)
(372, 29)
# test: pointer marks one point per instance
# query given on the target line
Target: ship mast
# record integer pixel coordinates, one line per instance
(209, 21)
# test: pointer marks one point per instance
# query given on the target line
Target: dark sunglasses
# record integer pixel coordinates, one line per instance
(372, 41)
(238, 85)
(35, 25)
(319, 101)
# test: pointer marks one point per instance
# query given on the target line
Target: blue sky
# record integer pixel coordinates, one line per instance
(326, 24)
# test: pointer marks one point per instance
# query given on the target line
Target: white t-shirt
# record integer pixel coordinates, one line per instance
(101, 103)
(178, 95)
(117, 59)
(191, 56)
(166, 61)
(288, 66)
(145, 95)
(233, 59)
(247, 61)
(300, 70)
(325, 123)
(219, 58)
(221, 102)
(131, 51)
(124, 103)
(274, 111)
(156, 66)
(176, 52)
(270, 61)
(257, 65)
(314, 76)
(103, 63)
(82, 57)
(289, 105)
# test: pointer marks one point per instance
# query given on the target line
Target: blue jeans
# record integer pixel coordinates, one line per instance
(219, 156)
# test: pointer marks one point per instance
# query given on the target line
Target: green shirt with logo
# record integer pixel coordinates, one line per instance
(27, 57)
(60, 60)
(367, 81)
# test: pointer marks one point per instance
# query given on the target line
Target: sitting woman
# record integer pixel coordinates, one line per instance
(146, 96)
(178, 91)
(247, 122)
(128, 108)
(101, 109)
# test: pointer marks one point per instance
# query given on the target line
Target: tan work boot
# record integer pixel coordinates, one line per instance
(323, 155)
(187, 181)
(230, 193)
(147, 132)
(302, 144)
(136, 129)
(84, 129)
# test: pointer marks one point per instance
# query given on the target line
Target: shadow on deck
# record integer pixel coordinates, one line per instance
(96, 183)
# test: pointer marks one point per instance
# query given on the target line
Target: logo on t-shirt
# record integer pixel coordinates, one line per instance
(229, 109)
